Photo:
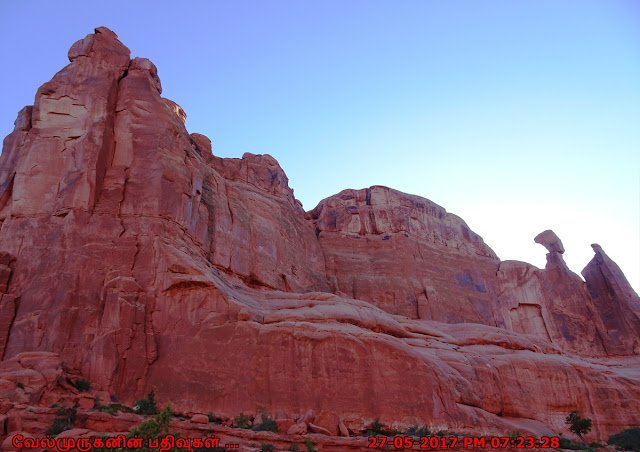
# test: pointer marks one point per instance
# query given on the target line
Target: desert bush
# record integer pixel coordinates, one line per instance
(213, 419)
(147, 405)
(377, 429)
(628, 439)
(266, 447)
(242, 421)
(515, 434)
(267, 425)
(311, 446)
(82, 385)
(65, 417)
(419, 431)
(293, 447)
(571, 445)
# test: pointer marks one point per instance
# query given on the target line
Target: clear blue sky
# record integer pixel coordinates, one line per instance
(518, 116)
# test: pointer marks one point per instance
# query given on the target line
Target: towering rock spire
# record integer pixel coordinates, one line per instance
(60, 149)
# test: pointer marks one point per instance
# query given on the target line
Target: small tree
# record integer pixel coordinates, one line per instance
(148, 405)
(578, 425)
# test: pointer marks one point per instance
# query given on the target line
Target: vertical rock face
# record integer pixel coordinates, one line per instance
(70, 130)
(102, 187)
(136, 258)
(7, 301)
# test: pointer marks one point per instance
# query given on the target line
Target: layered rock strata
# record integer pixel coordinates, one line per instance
(141, 261)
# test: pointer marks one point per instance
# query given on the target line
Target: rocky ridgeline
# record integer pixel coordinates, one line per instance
(134, 258)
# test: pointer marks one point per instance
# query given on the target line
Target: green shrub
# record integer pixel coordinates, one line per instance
(311, 446)
(266, 447)
(268, 425)
(59, 425)
(628, 439)
(65, 417)
(242, 421)
(213, 419)
(293, 447)
(419, 431)
(147, 406)
(515, 434)
(571, 445)
(20, 385)
(82, 385)
(377, 429)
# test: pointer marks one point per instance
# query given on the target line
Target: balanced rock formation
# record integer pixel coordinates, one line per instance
(550, 241)
(132, 257)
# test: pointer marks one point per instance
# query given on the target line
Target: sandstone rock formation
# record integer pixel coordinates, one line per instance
(132, 257)
(550, 241)
(406, 255)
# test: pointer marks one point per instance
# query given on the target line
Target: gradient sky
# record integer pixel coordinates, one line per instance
(518, 116)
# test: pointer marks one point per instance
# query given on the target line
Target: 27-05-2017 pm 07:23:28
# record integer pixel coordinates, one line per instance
(466, 442)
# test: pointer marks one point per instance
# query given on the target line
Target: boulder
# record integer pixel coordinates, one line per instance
(329, 421)
(199, 419)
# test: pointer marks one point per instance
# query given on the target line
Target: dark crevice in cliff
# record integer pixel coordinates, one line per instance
(9, 327)
(124, 74)
(106, 154)
(6, 190)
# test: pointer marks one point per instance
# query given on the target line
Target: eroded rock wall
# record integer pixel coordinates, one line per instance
(406, 255)
(103, 188)
(142, 261)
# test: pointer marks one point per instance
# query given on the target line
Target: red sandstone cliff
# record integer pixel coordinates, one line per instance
(134, 258)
